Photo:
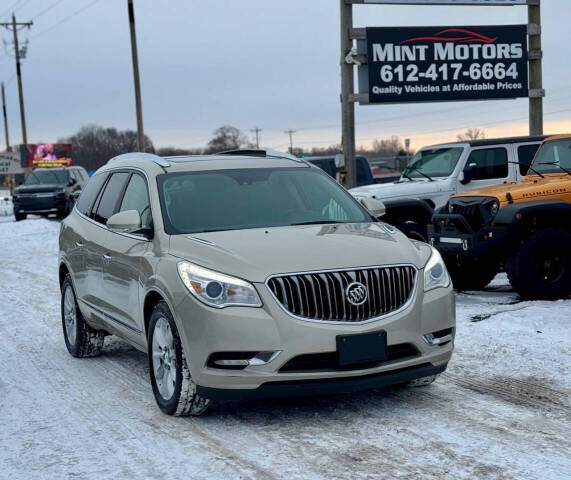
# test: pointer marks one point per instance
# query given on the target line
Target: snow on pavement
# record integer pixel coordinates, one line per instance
(502, 409)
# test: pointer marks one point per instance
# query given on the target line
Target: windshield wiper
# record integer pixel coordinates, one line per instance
(568, 172)
(406, 175)
(529, 167)
(316, 222)
(419, 171)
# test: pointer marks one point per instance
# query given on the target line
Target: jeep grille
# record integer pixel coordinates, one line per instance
(321, 295)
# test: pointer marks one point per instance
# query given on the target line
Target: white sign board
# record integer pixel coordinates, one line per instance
(449, 2)
(10, 164)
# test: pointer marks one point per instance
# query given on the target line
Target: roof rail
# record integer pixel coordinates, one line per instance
(148, 157)
(261, 154)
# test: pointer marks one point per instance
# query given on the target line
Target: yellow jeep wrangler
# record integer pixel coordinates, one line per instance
(525, 225)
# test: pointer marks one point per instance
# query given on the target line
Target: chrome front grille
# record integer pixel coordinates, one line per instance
(321, 296)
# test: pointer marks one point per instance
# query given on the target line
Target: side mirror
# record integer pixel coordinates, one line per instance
(376, 208)
(470, 172)
(128, 221)
(72, 181)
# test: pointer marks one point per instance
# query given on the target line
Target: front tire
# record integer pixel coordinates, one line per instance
(173, 386)
(541, 268)
(471, 273)
(80, 339)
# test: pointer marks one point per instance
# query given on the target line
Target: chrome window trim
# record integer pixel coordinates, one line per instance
(346, 322)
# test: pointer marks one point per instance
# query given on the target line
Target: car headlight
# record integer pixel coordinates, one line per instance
(450, 207)
(216, 289)
(435, 273)
(494, 207)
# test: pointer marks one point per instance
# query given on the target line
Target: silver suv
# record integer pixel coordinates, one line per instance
(248, 275)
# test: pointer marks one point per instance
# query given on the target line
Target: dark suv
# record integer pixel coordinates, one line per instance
(49, 190)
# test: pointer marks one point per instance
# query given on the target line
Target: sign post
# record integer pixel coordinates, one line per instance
(433, 64)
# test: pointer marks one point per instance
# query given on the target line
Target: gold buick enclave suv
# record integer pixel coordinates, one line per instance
(249, 274)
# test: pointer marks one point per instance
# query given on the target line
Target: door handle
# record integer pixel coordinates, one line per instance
(78, 244)
(106, 257)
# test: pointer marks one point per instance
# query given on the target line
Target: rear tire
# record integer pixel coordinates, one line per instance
(414, 231)
(173, 386)
(541, 268)
(471, 273)
(20, 216)
(80, 339)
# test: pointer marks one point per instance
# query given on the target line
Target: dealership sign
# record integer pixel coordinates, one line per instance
(10, 164)
(427, 64)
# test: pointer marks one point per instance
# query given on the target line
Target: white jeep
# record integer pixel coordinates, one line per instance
(439, 171)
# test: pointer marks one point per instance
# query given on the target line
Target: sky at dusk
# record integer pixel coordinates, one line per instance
(272, 64)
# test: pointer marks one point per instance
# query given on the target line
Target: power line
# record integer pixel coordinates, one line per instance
(10, 8)
(47, 9)
(65, 19)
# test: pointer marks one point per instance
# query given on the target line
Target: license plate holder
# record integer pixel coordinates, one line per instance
(362, 348)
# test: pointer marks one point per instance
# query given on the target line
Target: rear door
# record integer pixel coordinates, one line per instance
(83, 231)
(492, 166)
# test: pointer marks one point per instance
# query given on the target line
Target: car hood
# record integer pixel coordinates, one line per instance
(531, 188)
(41, 188)
(383, 191)
(254, 254)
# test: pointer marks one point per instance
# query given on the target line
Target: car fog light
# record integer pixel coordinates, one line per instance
(232, 363)
(440, 337)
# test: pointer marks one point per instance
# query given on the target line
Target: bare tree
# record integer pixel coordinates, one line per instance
(471, 134)
(389, 146)
(227, 137)
(174, 151)
(92, 146)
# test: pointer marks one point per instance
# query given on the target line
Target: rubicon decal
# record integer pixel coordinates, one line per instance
(416, 64)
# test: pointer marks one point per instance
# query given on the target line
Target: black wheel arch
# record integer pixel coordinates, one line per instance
(536, 214)
(408, 209)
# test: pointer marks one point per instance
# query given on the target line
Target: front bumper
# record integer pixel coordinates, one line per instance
(325, 386)
(451, 234)
(39, 204)
(206, 330)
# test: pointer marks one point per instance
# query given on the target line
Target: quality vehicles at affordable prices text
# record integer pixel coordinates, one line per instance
(249, 275)
(439, 171)
(525, 225)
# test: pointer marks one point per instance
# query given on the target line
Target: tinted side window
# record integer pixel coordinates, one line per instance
(327, 165)
(89, 193)
(491, 163)
(137, 198)
(525, 154)
(109, 200)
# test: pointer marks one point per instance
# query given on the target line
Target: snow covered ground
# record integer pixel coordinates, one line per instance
(502, 410)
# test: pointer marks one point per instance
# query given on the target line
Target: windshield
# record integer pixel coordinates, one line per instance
(194, 202)
(553, 157)
(434, 162)
(37, 177)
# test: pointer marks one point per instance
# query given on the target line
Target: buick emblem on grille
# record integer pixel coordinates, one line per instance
(356, 293)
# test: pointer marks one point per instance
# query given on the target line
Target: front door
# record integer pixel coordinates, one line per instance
(492, 167)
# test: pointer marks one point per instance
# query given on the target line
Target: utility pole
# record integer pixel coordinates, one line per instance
(5, 115)
(135, 57)
(290, 132)
(536, 92)
(257, 131)
(347, 89)
(14, 27)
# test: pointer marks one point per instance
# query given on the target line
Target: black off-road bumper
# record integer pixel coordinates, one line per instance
(303, 388)
(451, 234)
